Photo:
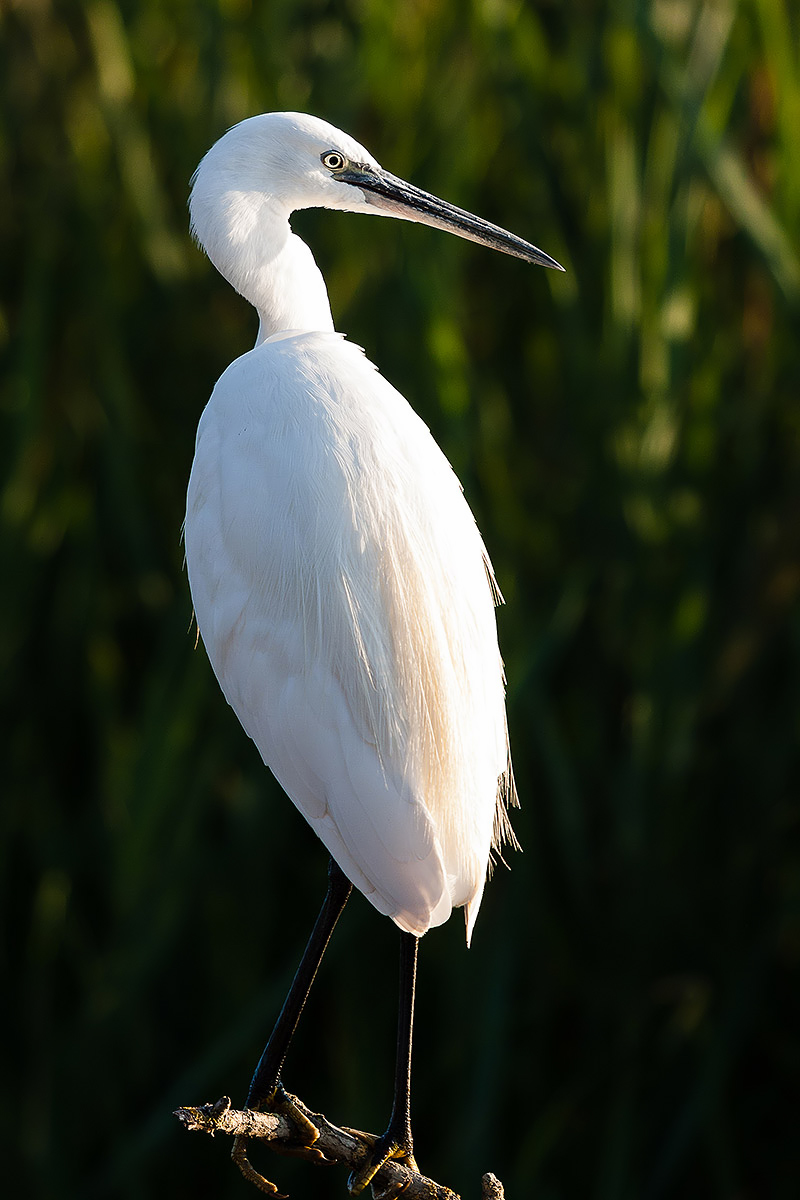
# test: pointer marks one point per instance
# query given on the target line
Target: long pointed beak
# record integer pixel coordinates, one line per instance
(396, 198)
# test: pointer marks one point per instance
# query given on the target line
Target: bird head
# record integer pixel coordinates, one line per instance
(268, 166)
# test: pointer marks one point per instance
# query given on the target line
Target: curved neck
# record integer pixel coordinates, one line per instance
(243, 226)
(289, 292)
(252, 246)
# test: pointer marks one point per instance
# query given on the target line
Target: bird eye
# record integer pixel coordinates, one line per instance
(333, 160)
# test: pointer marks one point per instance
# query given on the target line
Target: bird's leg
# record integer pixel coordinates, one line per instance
(397, 1142)
(266, 1090)
(266, 1078)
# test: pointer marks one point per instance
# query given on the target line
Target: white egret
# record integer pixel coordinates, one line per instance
(340, 584)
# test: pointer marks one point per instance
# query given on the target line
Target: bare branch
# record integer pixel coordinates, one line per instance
(347, 1147)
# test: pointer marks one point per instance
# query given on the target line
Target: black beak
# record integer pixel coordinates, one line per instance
(396, 198)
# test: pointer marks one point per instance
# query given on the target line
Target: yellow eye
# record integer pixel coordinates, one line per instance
(333, 160)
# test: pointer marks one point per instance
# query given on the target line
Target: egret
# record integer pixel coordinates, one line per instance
(340, 585)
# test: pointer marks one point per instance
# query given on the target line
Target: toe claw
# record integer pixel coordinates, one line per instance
(239, 1156)
(379, 1151)
(287, 1104)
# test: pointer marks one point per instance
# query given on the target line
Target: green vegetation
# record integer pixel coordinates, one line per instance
(625, 1026)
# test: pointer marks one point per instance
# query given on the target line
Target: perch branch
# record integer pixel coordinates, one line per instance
(334, 1145)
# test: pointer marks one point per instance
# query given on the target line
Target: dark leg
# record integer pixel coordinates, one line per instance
(397, 1142)
(265, 1086)
(267, 1074)
(399, 1131)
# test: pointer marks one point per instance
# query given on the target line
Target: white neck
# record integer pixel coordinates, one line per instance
(289, 292)
(247, 237)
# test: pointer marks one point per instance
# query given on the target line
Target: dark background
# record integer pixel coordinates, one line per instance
(625, 1025)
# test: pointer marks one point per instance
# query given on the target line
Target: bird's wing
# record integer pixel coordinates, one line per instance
(377, 830)
(341, 590)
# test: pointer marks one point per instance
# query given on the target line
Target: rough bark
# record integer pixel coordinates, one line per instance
(347, 1147)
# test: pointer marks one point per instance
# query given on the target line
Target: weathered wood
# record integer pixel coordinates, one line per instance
(347, 1147)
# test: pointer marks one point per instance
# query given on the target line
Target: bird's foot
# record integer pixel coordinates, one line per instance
(290, 1107)
(239, 1156)
(294, 1110)
(380, 1150)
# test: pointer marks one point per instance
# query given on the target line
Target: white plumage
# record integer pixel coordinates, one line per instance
(341, 587)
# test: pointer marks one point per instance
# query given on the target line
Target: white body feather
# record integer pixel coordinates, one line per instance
(346, 601)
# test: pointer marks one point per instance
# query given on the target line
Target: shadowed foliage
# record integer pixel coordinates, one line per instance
(625, 1026)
